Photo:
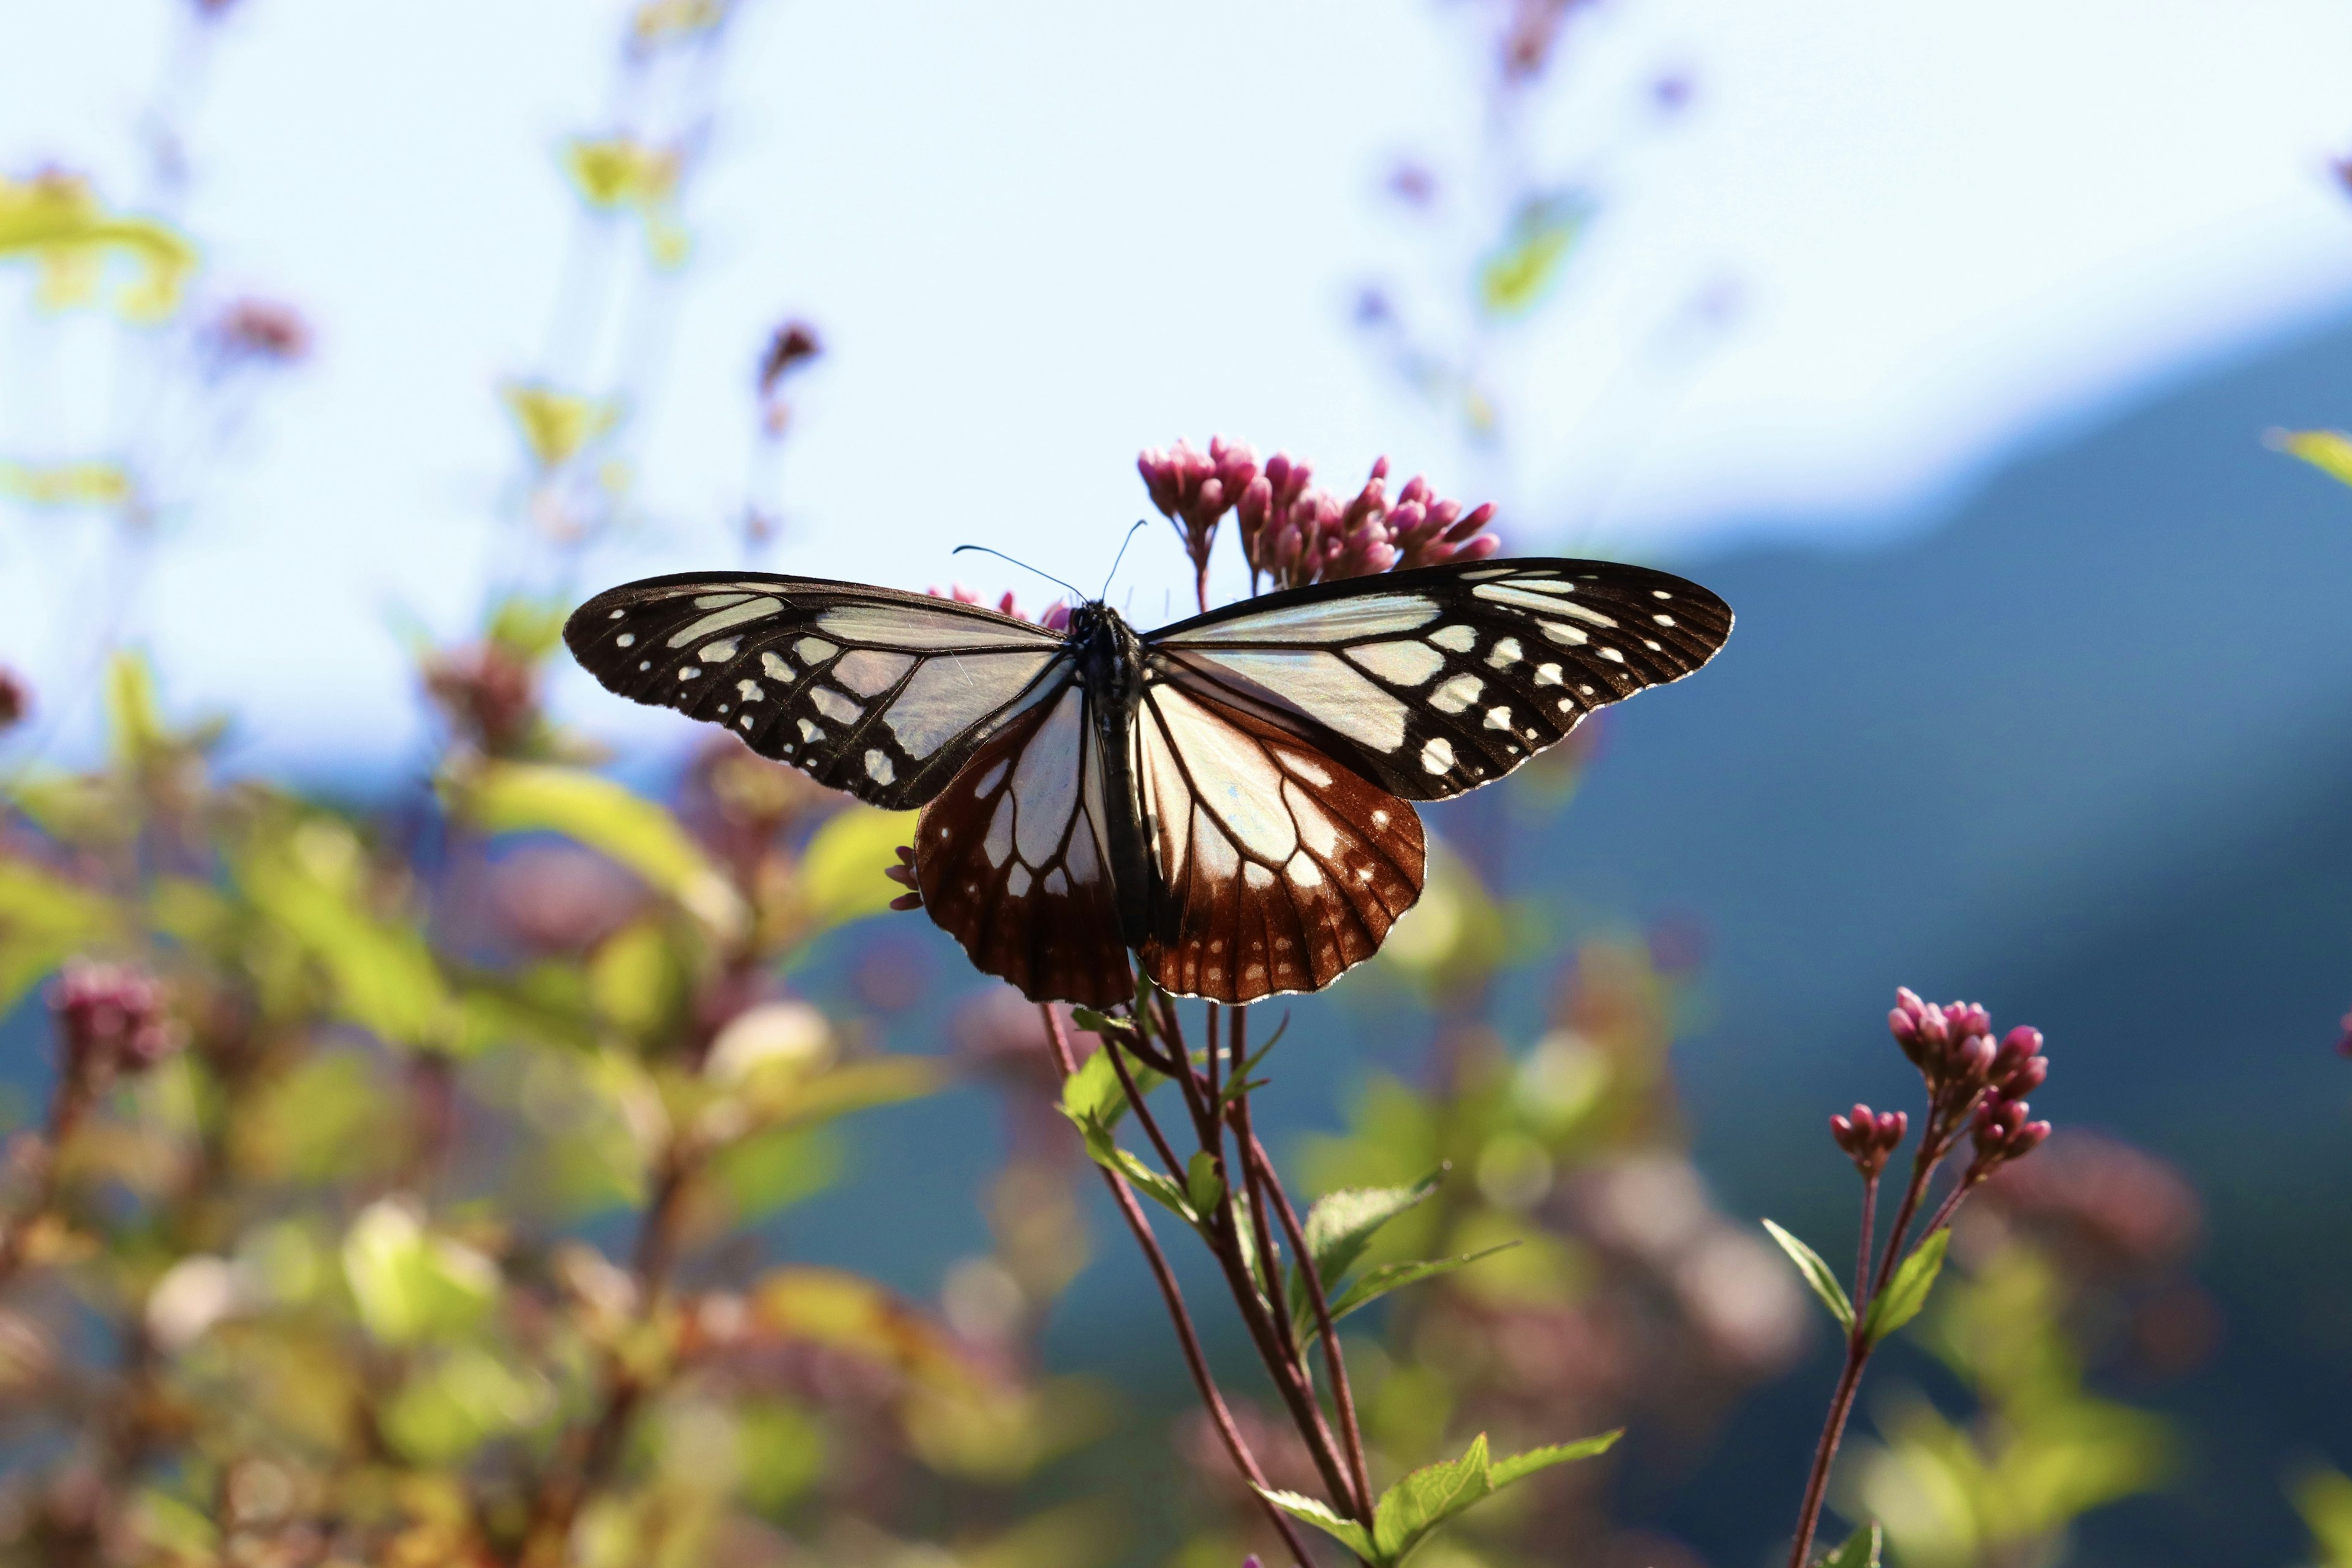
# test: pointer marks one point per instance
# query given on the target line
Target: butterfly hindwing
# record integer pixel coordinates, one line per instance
(1433, 681)
(881, 693)
(1275, 866)
(1013, 861)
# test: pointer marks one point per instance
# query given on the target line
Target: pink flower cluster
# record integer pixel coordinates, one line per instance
(1054, 617)
(1868, 1137)
(1293, 533)
(110, 1019)
(1968, 1076)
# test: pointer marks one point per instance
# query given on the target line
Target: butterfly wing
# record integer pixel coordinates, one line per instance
(1275, 864)
(1013, 858)
(1433, 681)
(882, 693)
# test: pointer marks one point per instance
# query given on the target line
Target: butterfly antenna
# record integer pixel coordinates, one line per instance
(1049, 577)
(1139, 524)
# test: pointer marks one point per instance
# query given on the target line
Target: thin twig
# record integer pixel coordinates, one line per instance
(1219, 1414)
(1325, 1325)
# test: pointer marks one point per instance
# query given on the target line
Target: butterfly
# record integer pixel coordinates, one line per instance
(1229, 798)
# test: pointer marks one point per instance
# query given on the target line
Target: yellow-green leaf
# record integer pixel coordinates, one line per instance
(2329, 451)
(841, 874)
(409, 1284)
(526, 797)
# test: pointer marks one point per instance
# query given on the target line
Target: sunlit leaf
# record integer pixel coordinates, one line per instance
(308, 885)
(782, 1450)
(1907, 1291)
(1519, 1466)
(1343, 1529)
(1861, 1548)
(841, 872)
(459, 1399)
(1817, 1274)
(409, 1284)
(1376, 1283)
(2323, 1498)
(1427, 1498)
(44, 920)
(775, 1170)
(1520, 273)
(1161, 1189)
(555, 424)
(636, 980)
(56, 222)
(524, 797)
(2329, 451)
(89, 483)
(1094, 1092)
(1342, 1224)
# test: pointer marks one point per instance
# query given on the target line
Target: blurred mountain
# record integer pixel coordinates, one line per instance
(2081, 750)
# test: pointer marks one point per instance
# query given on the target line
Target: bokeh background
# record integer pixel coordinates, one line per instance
(1954, 348)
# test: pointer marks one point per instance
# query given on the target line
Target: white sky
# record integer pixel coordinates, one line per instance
(1039, 236)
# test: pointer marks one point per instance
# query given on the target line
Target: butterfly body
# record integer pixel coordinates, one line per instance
(1228, 799)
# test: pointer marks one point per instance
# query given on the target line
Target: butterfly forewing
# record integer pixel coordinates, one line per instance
(871, 690)
(1012, 858)
(1434, 681)
(1275, 866)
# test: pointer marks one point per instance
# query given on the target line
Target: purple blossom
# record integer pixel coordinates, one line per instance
(1868, 1137)
(1296, 534)
(109, 1019)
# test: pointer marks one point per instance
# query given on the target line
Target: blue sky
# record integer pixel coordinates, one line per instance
(1040, 236)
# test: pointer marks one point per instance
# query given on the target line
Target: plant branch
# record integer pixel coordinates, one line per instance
(1190, 1340)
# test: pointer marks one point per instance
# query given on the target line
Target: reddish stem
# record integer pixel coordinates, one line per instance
(1221, 1416)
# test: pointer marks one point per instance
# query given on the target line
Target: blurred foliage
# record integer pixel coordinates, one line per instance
(56, 222)
(322, 1285)
(2067, 1267)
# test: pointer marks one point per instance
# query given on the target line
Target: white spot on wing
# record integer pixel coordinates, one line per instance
(626, 639)
(999, 842)
(718, 601)
(1016, 882)
(878, 768)
(1550, 603)
(923, 628)
(948, 696)
(1456, 638)
(718, 652)
(1404, 663)
(1457, 694)
(812, 733)
(1560, 632)
(688, 671)
(1045, 780)
(751, 691)
(1506, 654)
(870, 672)
(1438, 755)
(1365, 615)
(1664, 620)
(776, 668)
(741, 609)
(813, 650)
(1236, 778)
(1498, 718)
(1548, 675)
(1612, 655)
(835, 706)
(1323, 686)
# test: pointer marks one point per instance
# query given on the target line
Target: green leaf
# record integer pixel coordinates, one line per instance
(1907, 1291)
(410, 1285)
(310, 887)
(2329, 451)
(1161, 1189)
(1346, 1531)
(840, 871)
(772, 1171)
(1102, 1024)
(1520, 1466)
(1241, 1082)
(1426, 1498)
(44, 920)
(1860, 1551)
(1370, 1287)
(1818, 1274)
(1342, 1224)
(533, 797)
(1094, 1091)
(2323, 1498)
(1202, 1183)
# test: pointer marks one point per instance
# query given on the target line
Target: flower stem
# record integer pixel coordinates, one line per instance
(1190, 1340)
